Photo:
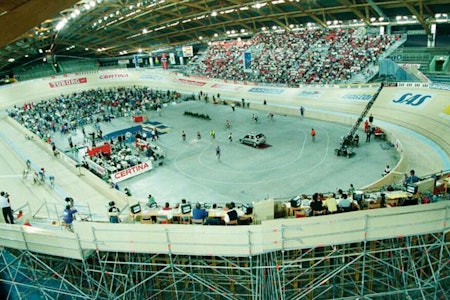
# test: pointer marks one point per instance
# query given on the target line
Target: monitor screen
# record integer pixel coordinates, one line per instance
(411, 188)
(135, 208)
(247, 209)
(185, 208)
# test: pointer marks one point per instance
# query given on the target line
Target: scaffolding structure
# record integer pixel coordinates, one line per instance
(412, 266)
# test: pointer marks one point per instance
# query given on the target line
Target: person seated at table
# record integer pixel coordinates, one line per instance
(316, 206)
(199, 214)
(231, 214)
(305, 201)
(331, 204)
(150, 201)
(347, 204)
(183, 202)
(167, 206)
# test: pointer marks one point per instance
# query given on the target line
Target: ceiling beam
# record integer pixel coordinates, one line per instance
(419, 16)
(355, 11)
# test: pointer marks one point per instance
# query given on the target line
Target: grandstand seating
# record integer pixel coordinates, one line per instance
(77, 65)
(35, 71)
(309, 56)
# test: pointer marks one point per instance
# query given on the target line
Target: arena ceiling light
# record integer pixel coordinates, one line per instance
(259, 5)
(61, 24)
(381, 21)
(441, 18)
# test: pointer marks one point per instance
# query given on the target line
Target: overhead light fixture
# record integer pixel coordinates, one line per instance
(259, 5)
(61, 24)
(11, 59)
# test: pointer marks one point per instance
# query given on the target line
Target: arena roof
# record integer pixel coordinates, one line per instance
(33, 29)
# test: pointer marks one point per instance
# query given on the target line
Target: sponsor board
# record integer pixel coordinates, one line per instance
(262, 90)
(440, 86)
(113, 76)
(95, 167)
(361, 97)
(226, 86)
(190, 82)
(132, 171)
(412, 99)
(188, 51)
(151, 77)
(309, 94)
(66, 82)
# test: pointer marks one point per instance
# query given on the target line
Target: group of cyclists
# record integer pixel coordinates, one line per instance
(39, 177)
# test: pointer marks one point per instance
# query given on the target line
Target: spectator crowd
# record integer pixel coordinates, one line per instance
(324, 56)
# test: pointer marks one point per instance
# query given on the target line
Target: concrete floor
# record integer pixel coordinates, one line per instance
(291, 165)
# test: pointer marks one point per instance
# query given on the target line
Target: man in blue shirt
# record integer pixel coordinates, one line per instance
(412, 178)
(198, 214)
(68, 217)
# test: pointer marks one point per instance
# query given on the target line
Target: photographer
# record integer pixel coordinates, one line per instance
(6, 208)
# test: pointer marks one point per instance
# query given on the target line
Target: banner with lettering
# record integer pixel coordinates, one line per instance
(132, 171)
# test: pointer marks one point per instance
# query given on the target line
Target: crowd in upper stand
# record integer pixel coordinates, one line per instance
(322, 56)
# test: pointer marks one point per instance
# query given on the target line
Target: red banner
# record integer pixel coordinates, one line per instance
(66, 82)
(164, 62)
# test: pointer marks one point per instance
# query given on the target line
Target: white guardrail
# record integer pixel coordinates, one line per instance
(271, 235)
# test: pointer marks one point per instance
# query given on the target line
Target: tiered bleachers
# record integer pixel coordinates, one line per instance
(309, 56)
(76, 65)
(34, 71)
(224, 58)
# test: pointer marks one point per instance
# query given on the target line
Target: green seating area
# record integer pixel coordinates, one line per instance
(77, 65)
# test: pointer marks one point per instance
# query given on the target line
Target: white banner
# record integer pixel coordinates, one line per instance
(95, 167)
(132, 171)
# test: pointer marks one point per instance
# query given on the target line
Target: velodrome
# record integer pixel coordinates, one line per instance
(330, 57)
(422, 140)
(420, 135)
